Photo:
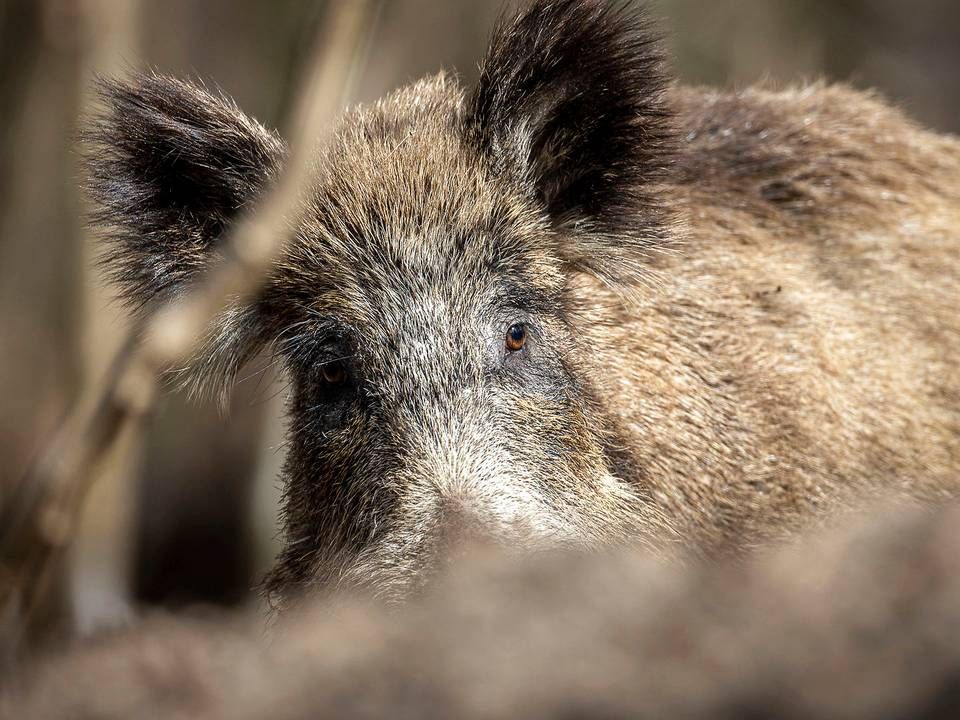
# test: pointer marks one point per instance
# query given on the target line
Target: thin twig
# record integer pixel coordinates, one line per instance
(39, 520)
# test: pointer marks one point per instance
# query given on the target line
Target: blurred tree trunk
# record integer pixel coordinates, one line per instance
(100, 557)
(40, 46)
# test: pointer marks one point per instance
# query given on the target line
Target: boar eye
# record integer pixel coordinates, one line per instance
(333, 373)
(516, 338)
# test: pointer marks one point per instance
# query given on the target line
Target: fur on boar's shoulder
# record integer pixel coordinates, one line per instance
(808, 155)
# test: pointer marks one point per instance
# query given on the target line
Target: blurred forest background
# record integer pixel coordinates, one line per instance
(192, 522)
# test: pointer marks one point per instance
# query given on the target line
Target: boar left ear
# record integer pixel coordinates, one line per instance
(169, 165)
(571, 103)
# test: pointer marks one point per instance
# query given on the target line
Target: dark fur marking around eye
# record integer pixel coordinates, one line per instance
(320, 350)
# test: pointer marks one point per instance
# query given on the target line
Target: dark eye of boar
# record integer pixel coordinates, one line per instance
(516, 338)
(331, 384)
(334, 373)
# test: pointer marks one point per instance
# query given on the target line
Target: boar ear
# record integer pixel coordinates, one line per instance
(571, 103)
(168, 166)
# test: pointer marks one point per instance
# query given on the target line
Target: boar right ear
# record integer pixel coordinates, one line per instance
(168, 166)
(572, 105)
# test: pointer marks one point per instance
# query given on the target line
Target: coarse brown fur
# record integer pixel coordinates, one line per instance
(741, 308)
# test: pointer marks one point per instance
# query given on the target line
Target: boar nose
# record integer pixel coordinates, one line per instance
(468, 485)
(461, 521)
(457, 494)
(472, 509)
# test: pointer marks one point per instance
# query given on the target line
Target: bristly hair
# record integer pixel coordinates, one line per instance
(571, 102)
(168, 165)
(570, 111)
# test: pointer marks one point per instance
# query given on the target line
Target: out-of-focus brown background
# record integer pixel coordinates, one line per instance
(193, 520)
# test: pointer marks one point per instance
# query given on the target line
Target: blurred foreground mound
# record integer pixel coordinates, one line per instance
(863, 623)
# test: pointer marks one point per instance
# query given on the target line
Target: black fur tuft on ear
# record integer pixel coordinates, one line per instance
(168, 166)
(572, 102)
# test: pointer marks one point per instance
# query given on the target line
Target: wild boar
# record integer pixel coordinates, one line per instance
(575, 305)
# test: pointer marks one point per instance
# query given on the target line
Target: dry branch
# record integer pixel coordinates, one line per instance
(39, 520)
